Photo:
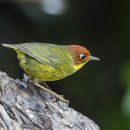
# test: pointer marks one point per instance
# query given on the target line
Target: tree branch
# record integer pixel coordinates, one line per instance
(34, 109)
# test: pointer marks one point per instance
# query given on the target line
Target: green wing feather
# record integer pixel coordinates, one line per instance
(51, 54)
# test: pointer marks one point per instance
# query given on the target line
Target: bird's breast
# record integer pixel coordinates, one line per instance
(44, 72)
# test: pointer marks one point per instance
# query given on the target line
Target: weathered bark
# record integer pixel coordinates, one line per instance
(34, 109)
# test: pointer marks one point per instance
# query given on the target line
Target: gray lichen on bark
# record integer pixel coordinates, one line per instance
(34, 109)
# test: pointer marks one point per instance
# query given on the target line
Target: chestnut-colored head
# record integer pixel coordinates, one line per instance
(80, 55)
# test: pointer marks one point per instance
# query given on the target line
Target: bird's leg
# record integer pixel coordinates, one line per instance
(44, 84)
(51, 92)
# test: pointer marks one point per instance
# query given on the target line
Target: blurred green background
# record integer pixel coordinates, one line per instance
(100, 90)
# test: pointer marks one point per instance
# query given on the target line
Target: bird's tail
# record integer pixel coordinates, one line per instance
(9, 45)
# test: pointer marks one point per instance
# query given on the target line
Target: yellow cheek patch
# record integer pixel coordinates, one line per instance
(77, 67)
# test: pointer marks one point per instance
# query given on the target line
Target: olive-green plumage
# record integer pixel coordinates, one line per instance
(44, 62)
(50, 62)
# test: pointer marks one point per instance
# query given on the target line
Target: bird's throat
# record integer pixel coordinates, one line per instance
(79, 66)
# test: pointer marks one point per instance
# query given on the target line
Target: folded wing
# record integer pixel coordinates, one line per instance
(50, 54)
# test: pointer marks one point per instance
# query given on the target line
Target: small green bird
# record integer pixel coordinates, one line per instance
(50, 62)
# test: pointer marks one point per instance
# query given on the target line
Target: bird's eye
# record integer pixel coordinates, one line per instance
(82, 56)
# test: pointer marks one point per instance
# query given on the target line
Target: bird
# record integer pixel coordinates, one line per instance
(50, 62)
